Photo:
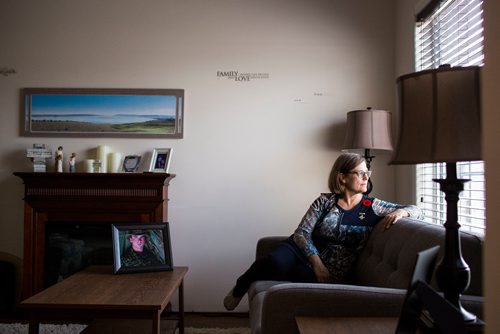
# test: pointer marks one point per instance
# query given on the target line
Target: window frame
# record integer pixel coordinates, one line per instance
(451, 31)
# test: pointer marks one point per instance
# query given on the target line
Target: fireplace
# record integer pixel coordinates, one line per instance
(71, 212)
(71, 247)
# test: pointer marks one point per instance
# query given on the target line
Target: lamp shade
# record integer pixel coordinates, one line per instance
(368, 129)
(439, 116)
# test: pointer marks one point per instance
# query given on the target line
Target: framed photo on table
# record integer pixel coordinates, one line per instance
(141, 247)
(160, 160)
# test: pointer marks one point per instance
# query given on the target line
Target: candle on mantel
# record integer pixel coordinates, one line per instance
(89, 165)
(102, 155)
(115, 161)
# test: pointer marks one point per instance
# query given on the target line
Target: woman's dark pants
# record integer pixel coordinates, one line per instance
(285, 263)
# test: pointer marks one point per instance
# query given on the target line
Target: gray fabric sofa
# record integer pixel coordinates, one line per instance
(377, 288)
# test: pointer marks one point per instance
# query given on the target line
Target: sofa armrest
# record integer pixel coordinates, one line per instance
(282, 303)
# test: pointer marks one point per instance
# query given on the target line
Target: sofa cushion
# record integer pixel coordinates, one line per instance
(267, 244)
(282, 303)
(389, 256)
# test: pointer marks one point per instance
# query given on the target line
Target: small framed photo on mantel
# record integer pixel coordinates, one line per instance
(160, 160)
(131, 163)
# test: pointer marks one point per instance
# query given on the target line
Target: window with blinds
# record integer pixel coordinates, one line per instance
(451, 34)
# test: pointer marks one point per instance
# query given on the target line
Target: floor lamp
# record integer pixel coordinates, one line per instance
(368, 130)
(440, 122)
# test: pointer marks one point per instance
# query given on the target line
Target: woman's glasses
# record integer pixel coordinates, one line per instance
(361, 173)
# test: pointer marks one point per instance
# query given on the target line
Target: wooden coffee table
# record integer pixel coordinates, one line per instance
(97, 293)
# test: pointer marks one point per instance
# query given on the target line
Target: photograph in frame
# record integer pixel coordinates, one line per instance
(160, 160)
(131, 163)
(107, 112)
(141, 247)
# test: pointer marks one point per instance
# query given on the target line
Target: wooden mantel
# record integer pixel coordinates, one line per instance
(85, 198)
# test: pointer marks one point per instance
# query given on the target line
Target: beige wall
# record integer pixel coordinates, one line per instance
(405, 63)
(255, 154)
(491, 120)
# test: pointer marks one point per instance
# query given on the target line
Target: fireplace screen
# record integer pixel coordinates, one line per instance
(71, 247)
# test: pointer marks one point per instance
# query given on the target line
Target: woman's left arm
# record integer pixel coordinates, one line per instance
(393, 212)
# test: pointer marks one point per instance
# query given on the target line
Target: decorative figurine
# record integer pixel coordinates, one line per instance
(72, 163)
(59, 159)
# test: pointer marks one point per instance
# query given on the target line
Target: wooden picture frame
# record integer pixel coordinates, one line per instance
(160, 160)
(141, 247)
(107, 112)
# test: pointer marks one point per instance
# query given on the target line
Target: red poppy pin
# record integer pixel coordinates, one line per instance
(367, 202)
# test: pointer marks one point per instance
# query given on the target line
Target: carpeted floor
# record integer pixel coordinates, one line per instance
(18, 328)
(190, 330)
(216, 320)
(195, 323)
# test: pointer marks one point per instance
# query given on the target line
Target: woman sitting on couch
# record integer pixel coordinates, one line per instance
(331, 234)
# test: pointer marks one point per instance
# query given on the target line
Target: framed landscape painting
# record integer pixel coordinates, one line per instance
(82, 112)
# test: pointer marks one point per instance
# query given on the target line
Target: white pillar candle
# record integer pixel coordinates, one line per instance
(102, 155)
(89, 168)
(115, 162)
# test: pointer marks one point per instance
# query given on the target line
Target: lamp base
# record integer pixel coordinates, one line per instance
(453, 273)
(452, 281)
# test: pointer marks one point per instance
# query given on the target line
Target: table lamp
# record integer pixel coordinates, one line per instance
(440, 122)
(368, 129)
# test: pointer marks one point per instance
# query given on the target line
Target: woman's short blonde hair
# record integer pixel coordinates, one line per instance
(345, 163)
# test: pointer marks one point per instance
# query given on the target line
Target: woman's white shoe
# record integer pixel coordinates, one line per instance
(230, 301)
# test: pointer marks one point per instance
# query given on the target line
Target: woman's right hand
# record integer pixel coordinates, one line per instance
(322, 273)
(320, 270)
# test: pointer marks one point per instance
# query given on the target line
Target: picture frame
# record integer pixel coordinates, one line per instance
(141, 247)
(106, 112)
(160, 160)
(131, 163)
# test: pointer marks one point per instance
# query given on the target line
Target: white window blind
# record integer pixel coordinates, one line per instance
(452, 34)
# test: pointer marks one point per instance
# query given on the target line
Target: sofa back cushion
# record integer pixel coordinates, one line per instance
(266, 245)
(389, 256)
